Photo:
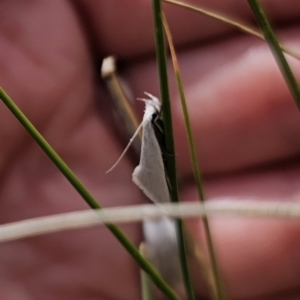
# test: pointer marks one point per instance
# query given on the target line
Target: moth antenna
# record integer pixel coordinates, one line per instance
(126, 149)
(150, 95)
(153, 98)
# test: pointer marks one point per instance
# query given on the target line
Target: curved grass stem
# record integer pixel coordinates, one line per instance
(235, 24)
(195, 165)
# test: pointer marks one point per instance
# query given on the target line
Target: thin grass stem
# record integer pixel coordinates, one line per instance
(230, 208)
(86, 195)
(169, 140)
(194, 162)
(242, 27)
(146, 283)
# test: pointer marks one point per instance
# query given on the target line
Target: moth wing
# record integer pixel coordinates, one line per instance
(149, 175)
(161, 240)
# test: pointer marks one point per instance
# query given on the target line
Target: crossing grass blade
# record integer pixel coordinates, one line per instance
(87, 196)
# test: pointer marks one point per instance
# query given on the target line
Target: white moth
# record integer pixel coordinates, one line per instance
(150, 177)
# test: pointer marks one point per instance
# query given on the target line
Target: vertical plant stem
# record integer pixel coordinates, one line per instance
(90, 200)
(146, 283)
(194, 162)
(272, 41)
(169, 140)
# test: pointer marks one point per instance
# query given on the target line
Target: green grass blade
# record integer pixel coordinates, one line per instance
(90, 200)
(272, 41)
(169, 139)
(194, 162)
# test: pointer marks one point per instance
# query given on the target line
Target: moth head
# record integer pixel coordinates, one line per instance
(153, 102)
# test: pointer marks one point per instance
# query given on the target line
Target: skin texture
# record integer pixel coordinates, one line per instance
(245, 123)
